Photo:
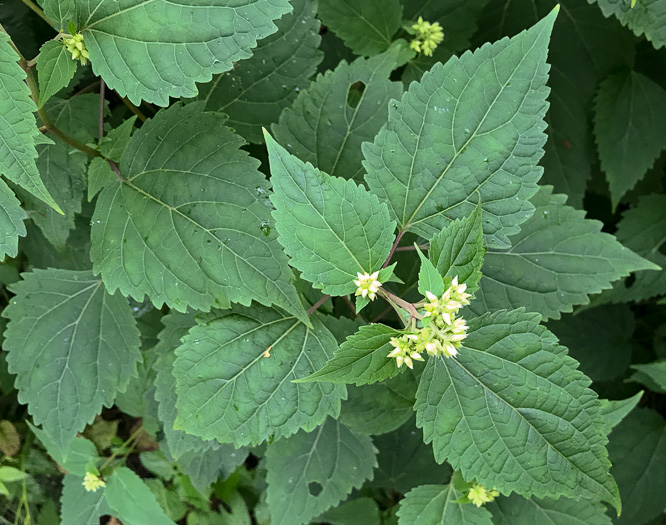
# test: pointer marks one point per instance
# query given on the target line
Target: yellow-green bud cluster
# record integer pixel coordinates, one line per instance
(92, 482)
(480, 495)
(368, 285)
(427, 37)
(443, 333)
(77, 47)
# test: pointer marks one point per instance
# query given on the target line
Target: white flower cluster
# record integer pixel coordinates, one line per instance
(442, 333)
(368, 284)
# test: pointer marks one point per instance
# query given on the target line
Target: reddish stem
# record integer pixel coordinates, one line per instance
(317, 304)
(393, 248)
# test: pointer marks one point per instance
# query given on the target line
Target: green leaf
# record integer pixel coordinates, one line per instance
(458, 250)
(431, 504)
(189, 226)
(516, 510)
(367, 28)
(216, 460)
(132, 52)
(131, 500)
(361, 510)
(55, 69)
(19, 130)
(638, 452)
(381, 407)
(11, 474)
(310, 472)
(556, 261)
(80, 506)
(614, 412)
(324, 129)
(647, 18)
(331, 228)
(113, 145)
(256, 90)
(600, 339)
(234, 377)
(429, 278)
(361, 359)
(72, 347)
(75, 456)
(652, 375)
(487, 412)
(12, 219)
(630, 128)
(100, 175)
(469, 104)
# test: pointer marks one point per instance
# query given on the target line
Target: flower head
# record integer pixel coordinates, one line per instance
(77, 47)
(92, 482)
(480, 495)
(368, 285)
(427, 36)
(404, 350)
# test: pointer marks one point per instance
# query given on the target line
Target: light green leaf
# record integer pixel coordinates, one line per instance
(436, 504)
(614, 412)
(131, 500)
(11, 474)
(310, 472)
(72, 347)
(367, 28)
(340, 110)
(80, 506)
(630, 128)
(189, 225)
(331, 228)
(490, 414)
(600, 339)
(12, 219)
(130, 49)
(647, 18)
(516, 510)
(234, 377)
(556, 261)
(100, 175)
(429, 278)
(18, 131)
(486, 111)
(256, 90)
(652, 375)
(638, 452)
(458, 250)
(361, 510)
(361, 359)
(55, 69)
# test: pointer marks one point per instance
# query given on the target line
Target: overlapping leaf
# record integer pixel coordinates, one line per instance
(512, 411)
(130, 499)
(486, 111)
(436, 504)
(647, 18)
(80, 506)
(234, 377)
(652, 375)
(256, 91)
(310, 472)
(331, 228)
(72, 347)
(615, 411)
(556, 261)
(12, 219)
(133, 52)
(516, 510)
(55, 68)
(189, 225)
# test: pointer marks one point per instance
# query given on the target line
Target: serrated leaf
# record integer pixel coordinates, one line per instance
(486, 109)
(55, 69)
(615, 411)
(490, 414)
(12, 219)
(516, 510)
(630, 128)
(331, 228)
(100, 174)
(234, 377)
(315, 128)
(310, 472)
(647, 18)
(131, 51)
(367, 28)
(458, 250)
(189, 226)
(361, 359)
(638, 452)
(113, 145)
(361, 510)
(436, 504)
(652, 375)
(80, 506)
(256, 91)
(72, 346)
(429, 278)
(556, 261)
(216, 460)
(130, 500)
(75, 456)
(19, 131)
(600, 339)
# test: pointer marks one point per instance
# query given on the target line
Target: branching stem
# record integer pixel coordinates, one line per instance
(38, 11)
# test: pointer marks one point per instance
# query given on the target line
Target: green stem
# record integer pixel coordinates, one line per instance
(397, 301)
(38, 11)
(113, 456)
(134, 109)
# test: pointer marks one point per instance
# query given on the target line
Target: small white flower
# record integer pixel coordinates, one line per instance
(368, 284)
